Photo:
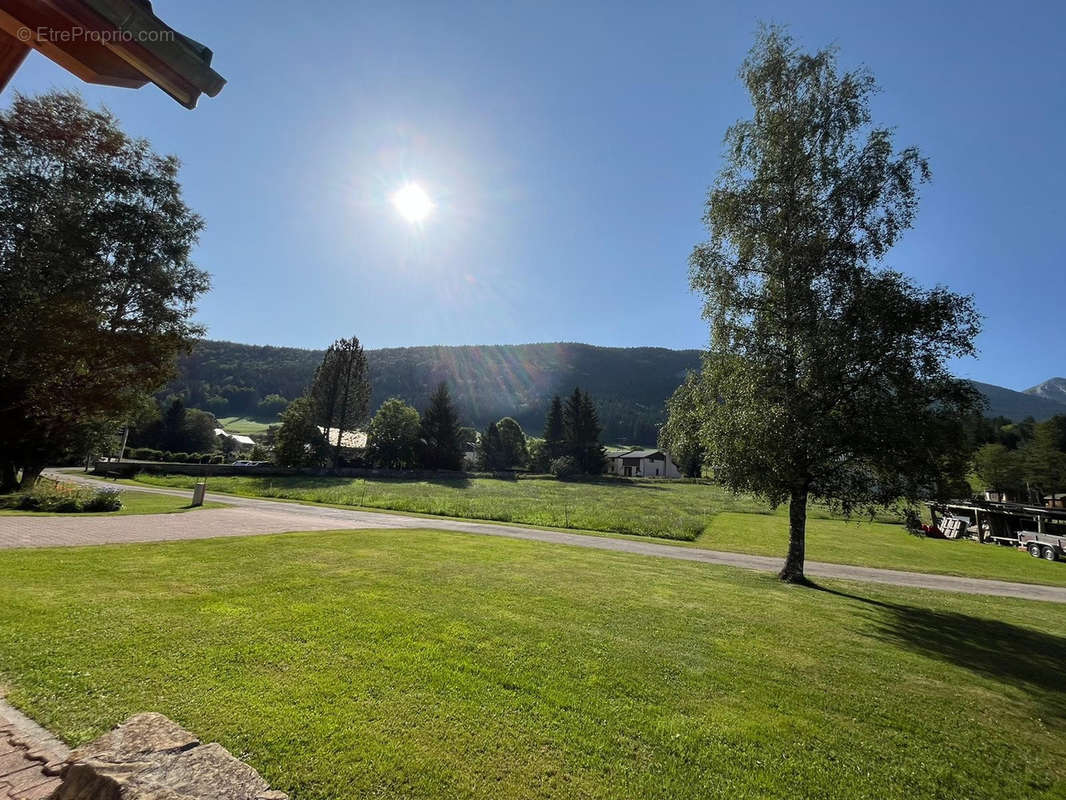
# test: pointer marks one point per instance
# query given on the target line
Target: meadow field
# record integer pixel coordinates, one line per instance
(425, 664)
(689, 513)
(665, 509)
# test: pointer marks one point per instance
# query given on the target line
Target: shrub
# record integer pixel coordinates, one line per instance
(182, 457)
(64, 498)
(103, 500)
(564, 467)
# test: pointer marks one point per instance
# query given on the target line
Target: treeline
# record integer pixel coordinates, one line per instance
(323, 426)
(1026, 460)
(486, 383)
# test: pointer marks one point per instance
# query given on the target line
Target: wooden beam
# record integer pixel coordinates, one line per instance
(12, 53)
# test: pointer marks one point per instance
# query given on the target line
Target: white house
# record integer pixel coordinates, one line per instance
(642, 464)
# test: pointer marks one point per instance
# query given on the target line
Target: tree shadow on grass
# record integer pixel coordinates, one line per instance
(1022, 657)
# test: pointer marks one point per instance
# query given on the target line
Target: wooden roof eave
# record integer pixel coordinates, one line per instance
(164, 56)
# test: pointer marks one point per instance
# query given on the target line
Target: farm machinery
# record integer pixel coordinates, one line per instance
(1038, 530)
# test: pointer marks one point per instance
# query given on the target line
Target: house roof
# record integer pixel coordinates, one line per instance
(110, 42)
(238, 438)
(637, 454)
(353, 440)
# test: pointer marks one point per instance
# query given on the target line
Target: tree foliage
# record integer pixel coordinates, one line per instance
(503, 446)
(680, 436)
(340, 391)
(999, 467)
(393, 436)
(554, 430)
(96, 282)
(582, 431)
(442, 445)
(298, 441)
(825, 374)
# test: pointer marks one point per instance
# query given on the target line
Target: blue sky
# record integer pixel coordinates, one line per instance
(568, 148)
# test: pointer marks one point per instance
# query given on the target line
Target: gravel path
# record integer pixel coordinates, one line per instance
(247, 516)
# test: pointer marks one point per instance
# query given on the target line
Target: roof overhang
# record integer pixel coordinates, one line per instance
(109, 42)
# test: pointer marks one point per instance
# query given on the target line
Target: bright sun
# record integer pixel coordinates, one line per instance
(412, 202)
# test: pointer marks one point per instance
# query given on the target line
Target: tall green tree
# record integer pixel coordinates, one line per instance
(554, 431)
(999, 468)
(503, 446)
(340, 392)
(680, 435)
(491, 452)
(582, 431)
(97, 288)
(1043, 461)
(826, 373)
(393, 436)
(442, 445)
(298, 441)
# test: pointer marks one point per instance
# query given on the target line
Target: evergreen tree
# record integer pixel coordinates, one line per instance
(173, 437)
(340, 392)
(554, 431)
(582, 430)
(442, 446)
(492, 453)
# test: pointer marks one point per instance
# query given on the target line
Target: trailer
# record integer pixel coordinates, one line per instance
(1040, 531)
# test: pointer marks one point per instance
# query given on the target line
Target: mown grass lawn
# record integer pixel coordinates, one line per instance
(700, 514)
(421, 664)
(133, 502)
(879, 545)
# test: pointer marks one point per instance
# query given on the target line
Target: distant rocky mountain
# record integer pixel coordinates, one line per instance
(1051, 389)
(629, 384)
(1019, 405)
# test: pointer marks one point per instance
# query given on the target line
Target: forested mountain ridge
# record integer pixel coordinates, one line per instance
(629, 385)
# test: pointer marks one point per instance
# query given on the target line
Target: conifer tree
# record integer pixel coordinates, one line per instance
(555, 430)
(442, 446)
(582, 430)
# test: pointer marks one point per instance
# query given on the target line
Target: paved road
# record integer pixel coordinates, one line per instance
(250, 516)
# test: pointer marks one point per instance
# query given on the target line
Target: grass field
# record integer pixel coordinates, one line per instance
(699, 514)
(420, 664)
(246, 425)
(666, 509)
(133, 502)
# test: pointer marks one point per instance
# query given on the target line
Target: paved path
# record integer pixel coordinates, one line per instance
(30, 757)
(250, 516)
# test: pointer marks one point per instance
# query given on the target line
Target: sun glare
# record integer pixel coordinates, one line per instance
(412, 202)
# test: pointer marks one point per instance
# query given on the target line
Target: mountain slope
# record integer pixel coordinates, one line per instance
(1018, 405)
(1051, 389)
(629, 385)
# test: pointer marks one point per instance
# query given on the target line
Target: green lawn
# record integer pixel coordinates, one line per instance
(699, 514)
(246, 425)
(666, 509)
(133, 502)
(421, 664)
(874, 544)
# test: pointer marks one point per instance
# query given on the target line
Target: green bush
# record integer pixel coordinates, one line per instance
(564, 467)
(103, 500)
(63, 498)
